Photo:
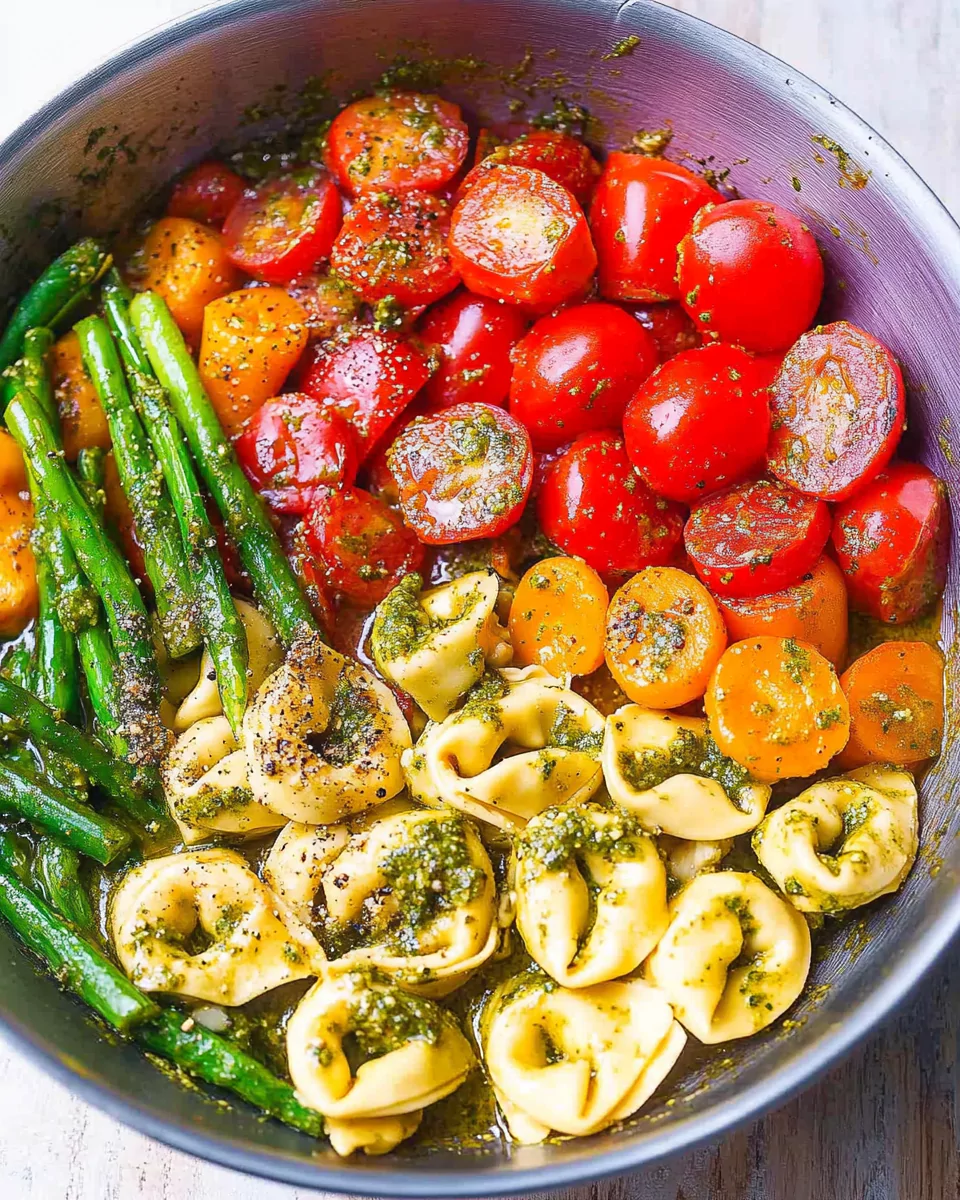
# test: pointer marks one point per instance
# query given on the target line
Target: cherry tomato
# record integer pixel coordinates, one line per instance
(463, 473)
(757, 537)
(310, 574)
(699, 422)
(285, 227)
(364, 547)
(206, 193)
(292, 446)
(669, 325)
(838, 410)
(327, 301)
(378, 477)
(396, 246)
(891, 541)
(368, 377)
(641, 209)
(592, 503)
(560, 155)
(519, 236)
(543, 461)
(397, 143)
(474, 336)
(750, 272)
(576, 370)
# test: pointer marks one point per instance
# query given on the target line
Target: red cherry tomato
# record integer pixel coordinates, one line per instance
(368, 377)
(838, 409)
(699, 423)
(519, 236)
(378, 477)
(560, 155)
(327, 301)
(576, 370)
(463, 473)
(750, 272)
(754, 538)
(593, 504)
(474, 336)
(310, 574)
(206, 193)
(669, 325)
(396, 246)
(891, 540)
(363, 546)
(397, 143)
(641, 209)
(293, 445)
(284, 228)
(543, 461)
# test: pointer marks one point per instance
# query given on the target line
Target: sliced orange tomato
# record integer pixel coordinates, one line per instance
(18, 569)
(13, 473)
(83, 423)
(556, 618)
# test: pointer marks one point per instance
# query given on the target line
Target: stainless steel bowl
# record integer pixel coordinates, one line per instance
(90, 159)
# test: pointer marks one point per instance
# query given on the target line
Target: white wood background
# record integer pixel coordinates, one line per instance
(884, 1126)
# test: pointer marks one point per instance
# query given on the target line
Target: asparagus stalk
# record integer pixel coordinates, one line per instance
(57, 871)
(13, 857)
(274, 581)
(56, 680)
(91, 470)
(36, 346)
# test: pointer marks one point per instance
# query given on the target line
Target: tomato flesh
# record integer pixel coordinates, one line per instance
(207, 193)
(560, 155)
(669, 326)
(474, 336)
(328, 303)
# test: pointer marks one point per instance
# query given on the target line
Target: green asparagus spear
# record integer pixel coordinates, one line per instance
(36, 375)
(57, 871)
(56, 680)
(14, 858)
(92, 471)
(275, 584)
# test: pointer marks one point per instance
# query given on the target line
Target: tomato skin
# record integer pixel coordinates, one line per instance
(474, 336)
(576, 370)
(543, 461)
(519, 236)
(397, 142)
(592, 503)
(750, 272)
(206, 193)
(699, 423)
(669, 326)
(641, 209)
(284, 227)
(891, 540)
(755, 538)
(838, 407)
(560, 155)
(463, 473)
(363, 546)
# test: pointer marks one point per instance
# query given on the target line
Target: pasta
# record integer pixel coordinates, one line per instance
(686, 860)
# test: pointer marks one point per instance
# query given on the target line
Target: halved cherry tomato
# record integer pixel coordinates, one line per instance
(206, 193)
(838, 409)
(18, 567)
(669, 325)
(891, 540)
(368, 377)
(463, 473)
(377, 477)
(292, 446)
(750, 272)
(310, 574)
(396, 143)
(699, 423)
(83, 423)
(474, 336)
(327, 301)
(756, 537)
(813, 610)
(556, 618)
(13, 470)
(560, 155)
(575, 371)
(895, 692)
(519, 236)
(364, 547)
(396, 246)
(592, 503)
(641, 209)
(285, 227)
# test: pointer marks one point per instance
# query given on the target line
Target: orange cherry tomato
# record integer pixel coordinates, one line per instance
(83, 423)
(18, 568)
(13, 472)
(556, 618)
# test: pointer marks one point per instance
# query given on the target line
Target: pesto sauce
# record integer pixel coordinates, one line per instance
(687, 754)
(400, 626)
(568, 733)
(383, 1018)
(482, 701)
(559, 835)
(351, 730)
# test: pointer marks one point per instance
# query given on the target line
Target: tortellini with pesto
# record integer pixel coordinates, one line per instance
(686, 860)
(201, 924)
(323, 737)
(670, 774)
(843, 842)
(521, 743)
(436, 644)
(734, 957)
(575, 1062)
(591, 893)
(372, 1135)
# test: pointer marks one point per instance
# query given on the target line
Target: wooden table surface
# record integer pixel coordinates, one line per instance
(883, 1126)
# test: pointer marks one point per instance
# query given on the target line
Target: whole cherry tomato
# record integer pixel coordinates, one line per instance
(641, 209)
(206, 193)
(474, 336)
(699, 422)
(592, 503)
(750, 272)
(669, 325)
(560, 155)
(576, 370)
(838, 409)
(891, 540)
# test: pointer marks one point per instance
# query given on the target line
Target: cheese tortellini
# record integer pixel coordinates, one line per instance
(575, 1061)
(686, 860)
(670, 774)
(201, 924)
(591, 893)
(843, 842)
(734, 956)
(323, 737)
(521, 743)
(435, 645)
